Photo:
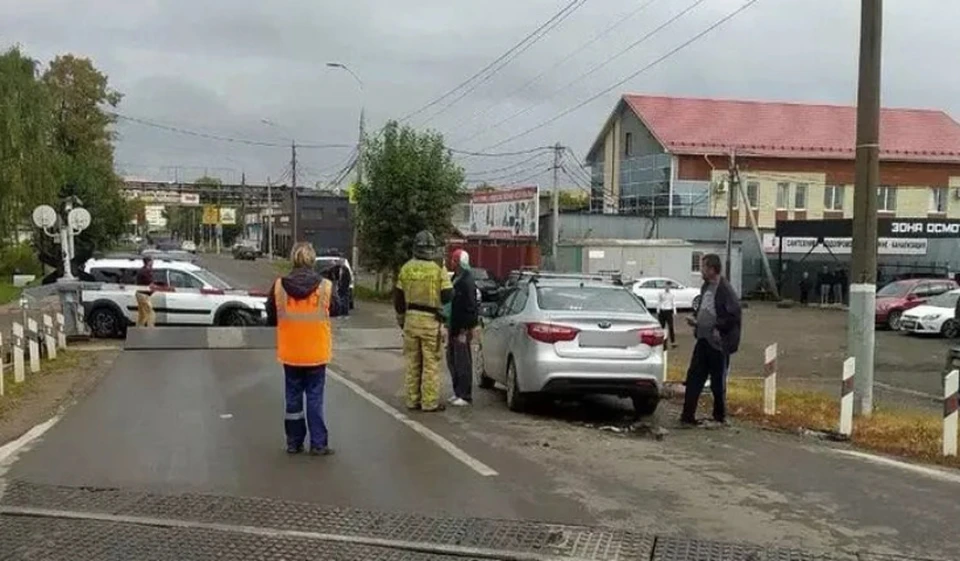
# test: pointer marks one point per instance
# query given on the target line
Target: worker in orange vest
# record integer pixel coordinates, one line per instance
(300, 306)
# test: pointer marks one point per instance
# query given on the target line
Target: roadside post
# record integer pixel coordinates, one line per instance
(61, 333)
(33, 344)
(2, 365)
(951, 404)
(18, 367)
(666, 362)
(846, 397)
(48, 339)
(770, 380)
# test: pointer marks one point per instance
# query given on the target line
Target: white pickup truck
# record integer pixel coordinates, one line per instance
(189, 295)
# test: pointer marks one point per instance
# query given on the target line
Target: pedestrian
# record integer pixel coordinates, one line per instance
(839, 285)
(300, 307)
(824, 282)
(145, 314)
(345, 280)
(666, 310)
(423, 287)
(717, 329)
(805, 288)
(463, 319)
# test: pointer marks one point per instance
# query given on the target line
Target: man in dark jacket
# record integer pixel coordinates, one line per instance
(717, 328)
(464, 319)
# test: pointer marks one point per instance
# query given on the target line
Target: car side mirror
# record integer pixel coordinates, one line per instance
(911, 297)
(488, 310)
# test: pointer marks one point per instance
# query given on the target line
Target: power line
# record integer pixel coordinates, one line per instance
(500, 154)
(619, 21)
(486, 68)
(222, 138)
(508, 176)
(656, 62)
(553, 23)
(590, 72)
(506, 168)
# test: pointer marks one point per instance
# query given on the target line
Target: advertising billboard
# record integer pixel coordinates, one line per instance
(501, 213)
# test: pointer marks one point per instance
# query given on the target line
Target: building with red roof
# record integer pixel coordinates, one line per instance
(663, 156)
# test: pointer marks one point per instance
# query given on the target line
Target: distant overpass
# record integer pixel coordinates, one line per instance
(190, 194)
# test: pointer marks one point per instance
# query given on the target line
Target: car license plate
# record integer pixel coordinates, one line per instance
(609, 339)
(908, 324)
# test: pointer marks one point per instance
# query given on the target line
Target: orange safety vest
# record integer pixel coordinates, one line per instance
(303, 327)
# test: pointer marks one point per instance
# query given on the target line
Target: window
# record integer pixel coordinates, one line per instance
(833, 197)
(577, 298)
(938, 199)
(519, 301)
(312, 214)
(887, 199)
(783, 196)
(179, 279)
(628, 144)
(695, 259)
(800, 196)
(753, 193)
(653, 283)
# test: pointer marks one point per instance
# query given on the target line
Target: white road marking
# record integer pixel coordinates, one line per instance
(406, 545)
(447, 446)
(906, 391)
(933, 473)
(10, 449)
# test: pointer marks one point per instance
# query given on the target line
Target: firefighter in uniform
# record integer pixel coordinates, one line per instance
(300, 306)
(423, 287)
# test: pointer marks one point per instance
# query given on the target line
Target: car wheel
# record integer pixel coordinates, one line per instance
(234, 318)
(105, 323)
(696, 303)
(516, 401)
(645, 405)
(950, 329)
(893, 320)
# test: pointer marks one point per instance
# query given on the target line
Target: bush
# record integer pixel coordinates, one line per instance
(19, 259)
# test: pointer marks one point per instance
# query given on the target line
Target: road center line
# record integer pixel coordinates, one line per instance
(930, 472)
(447, 446)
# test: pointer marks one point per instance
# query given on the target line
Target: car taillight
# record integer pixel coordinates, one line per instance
(652, 337)
(210, 291)
(550, 333)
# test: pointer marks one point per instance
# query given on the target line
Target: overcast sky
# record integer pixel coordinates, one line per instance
(223, 69)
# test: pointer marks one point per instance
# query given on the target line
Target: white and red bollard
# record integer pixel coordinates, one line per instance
(951, 404)
(33, 344)
(49, 341)
(61, 333)
(19, 372)
(2, 365)
(770, 380)
(846, 397)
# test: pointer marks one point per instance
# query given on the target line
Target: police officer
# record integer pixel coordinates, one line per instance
(423, 287)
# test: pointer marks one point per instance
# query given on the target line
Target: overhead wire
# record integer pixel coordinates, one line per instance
(650, 34)
(509, 167)
(487, 68)
(620, 83)
(553, 23)
(500, 154)
(619, 21)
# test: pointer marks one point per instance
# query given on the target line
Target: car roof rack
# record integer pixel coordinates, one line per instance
(614, 277)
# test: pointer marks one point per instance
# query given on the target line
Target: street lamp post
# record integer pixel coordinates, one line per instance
(359, 164)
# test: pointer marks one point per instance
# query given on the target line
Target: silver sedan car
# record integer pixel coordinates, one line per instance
(565, 336)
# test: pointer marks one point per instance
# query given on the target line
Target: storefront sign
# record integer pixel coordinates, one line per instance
(843, 246)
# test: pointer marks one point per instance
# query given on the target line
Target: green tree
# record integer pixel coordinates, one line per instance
(411, 184)
(26, 154)
(574, 200)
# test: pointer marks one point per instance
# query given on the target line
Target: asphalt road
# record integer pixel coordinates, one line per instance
(211, 422)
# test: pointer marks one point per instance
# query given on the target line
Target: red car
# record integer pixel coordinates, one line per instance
(899, 296)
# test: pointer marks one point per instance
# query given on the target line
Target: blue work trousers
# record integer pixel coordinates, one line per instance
(306, 381)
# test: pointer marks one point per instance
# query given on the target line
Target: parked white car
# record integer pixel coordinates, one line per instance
(936, 317)
(190, 295)
(648, 290)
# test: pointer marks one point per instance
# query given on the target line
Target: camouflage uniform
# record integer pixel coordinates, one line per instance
(423, 287)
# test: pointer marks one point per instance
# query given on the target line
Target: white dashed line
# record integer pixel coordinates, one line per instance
(930, 472)
(10, 449)
(447, 446)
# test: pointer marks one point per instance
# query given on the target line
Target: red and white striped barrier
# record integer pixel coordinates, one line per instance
(61, 332)
(846, 397)
(951, 404)
(770, 380)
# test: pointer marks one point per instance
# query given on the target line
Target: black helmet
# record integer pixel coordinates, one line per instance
(424, 245)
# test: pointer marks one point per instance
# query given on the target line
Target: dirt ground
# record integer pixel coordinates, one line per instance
(46, 394)
(812, 345)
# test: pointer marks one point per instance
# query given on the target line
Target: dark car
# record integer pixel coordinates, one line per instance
(245, 251)
(900, 296)
(488, 286)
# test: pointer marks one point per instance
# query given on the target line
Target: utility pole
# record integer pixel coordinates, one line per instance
(863, 279)
(355, 258)
(219, 225)
(295, 210)
(733, 185)
(269, 227)
(557, 150)
(243, 204)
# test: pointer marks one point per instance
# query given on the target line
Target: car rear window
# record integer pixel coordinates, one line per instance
(895, 289)
(577, 298)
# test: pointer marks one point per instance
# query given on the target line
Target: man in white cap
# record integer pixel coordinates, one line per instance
(462, 320)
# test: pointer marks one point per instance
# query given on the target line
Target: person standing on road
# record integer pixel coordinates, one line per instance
(805, 289)
(145, 315)
(300, 307)
(666, 310)
(717, 328)
(824, 284)
(463, 319)
(423, 287)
